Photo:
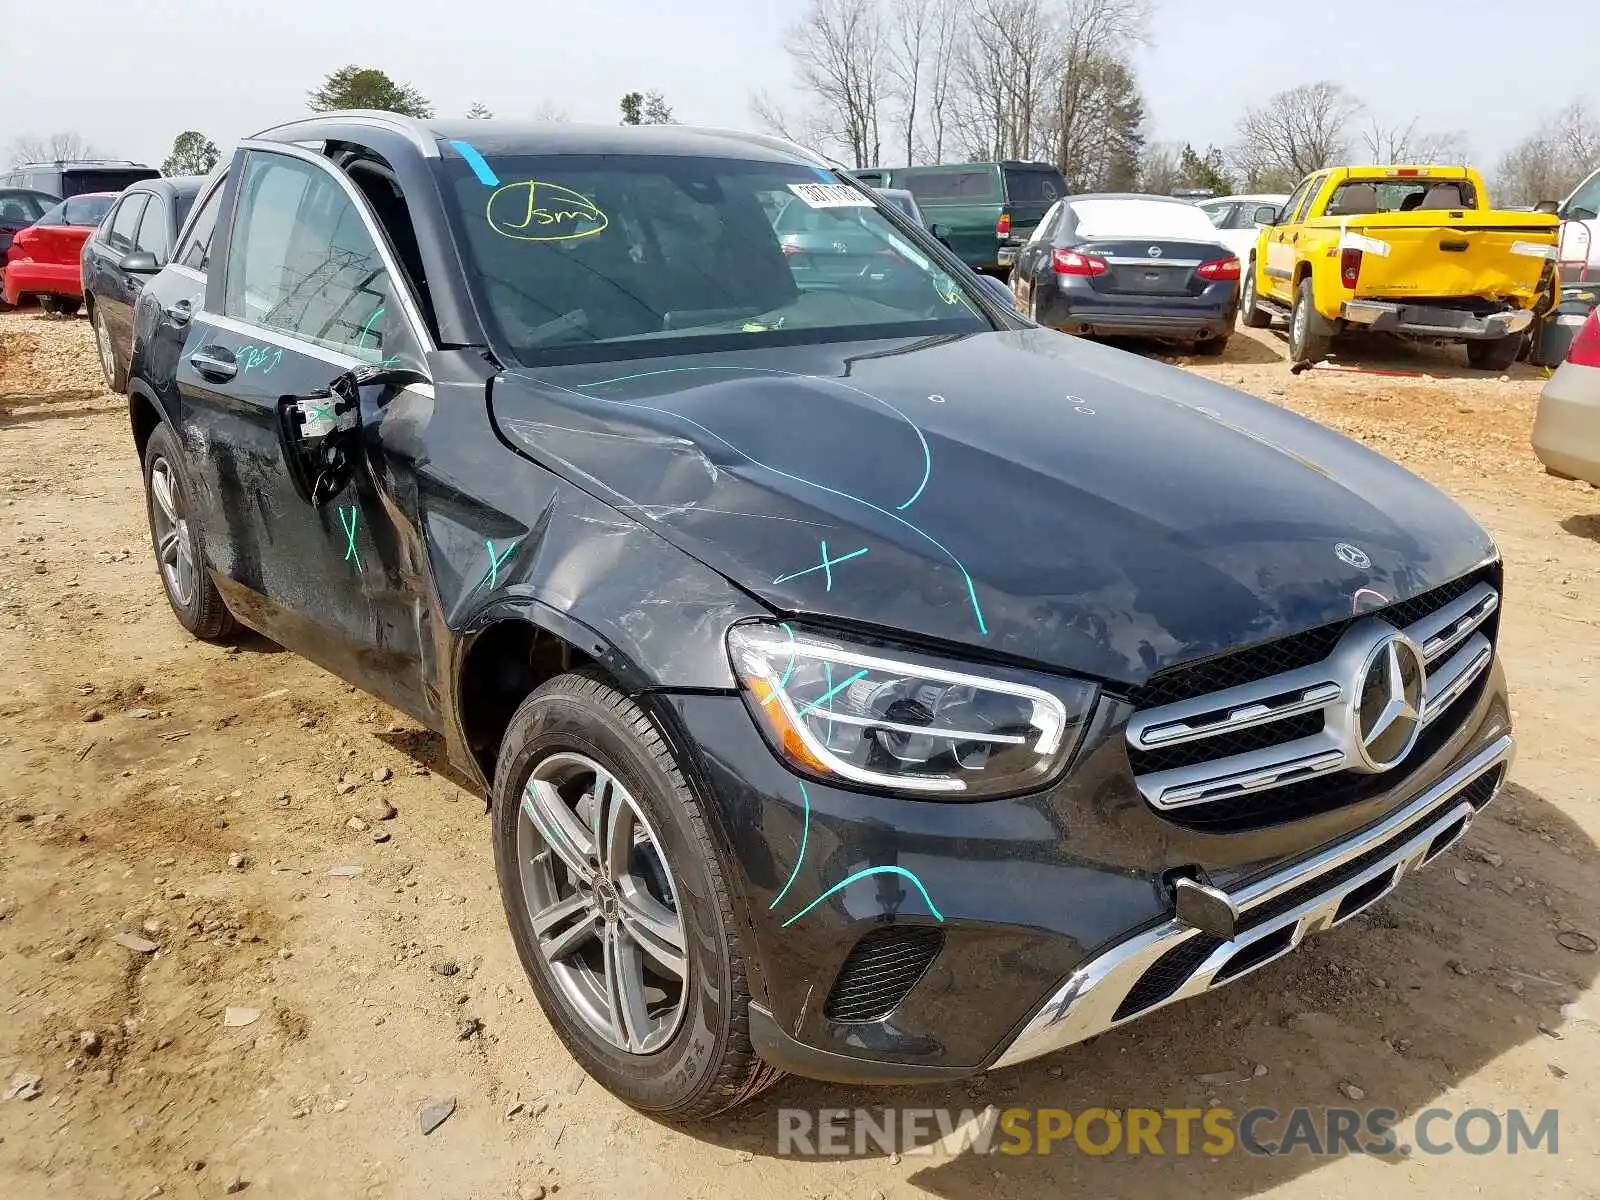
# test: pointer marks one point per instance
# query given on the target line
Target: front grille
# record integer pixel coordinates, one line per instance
(1260, 737)
(880, 970)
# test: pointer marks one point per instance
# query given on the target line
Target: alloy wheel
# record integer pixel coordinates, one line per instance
(174, 549)
(602, 903)
(108, 355)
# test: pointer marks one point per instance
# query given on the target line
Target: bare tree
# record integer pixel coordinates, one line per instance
(1159, 167)
(906, 48)
(57, 147)
(549, 110)
(1388, 144)
(944, 38)
(838, 52)
(1006, 74)
(1091, 35)
(1294, 133)
(1552, 160)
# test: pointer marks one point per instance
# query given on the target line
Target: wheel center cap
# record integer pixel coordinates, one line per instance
(605, 899)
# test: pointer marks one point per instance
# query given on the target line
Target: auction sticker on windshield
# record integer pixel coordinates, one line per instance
(830, 195)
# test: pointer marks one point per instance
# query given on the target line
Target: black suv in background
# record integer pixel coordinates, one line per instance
(865, 682)
(63, 179)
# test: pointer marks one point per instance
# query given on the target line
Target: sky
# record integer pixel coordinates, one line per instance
(129, 75)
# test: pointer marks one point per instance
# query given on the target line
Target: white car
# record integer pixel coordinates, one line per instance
(1238, 219)
(1580, 233)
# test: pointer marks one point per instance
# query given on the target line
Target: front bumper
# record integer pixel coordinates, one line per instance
(1046, 910)
(1433, 321)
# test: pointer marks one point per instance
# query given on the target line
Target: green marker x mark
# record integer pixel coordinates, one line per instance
(491, 577)
(351, 554)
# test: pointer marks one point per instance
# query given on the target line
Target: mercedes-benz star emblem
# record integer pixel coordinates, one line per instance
(1388, 703)
(1155, 251)
(1354, 555)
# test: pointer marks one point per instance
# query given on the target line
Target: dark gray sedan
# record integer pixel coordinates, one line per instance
(1148, 266)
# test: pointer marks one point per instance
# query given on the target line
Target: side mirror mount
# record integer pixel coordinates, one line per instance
(139, 262)
(941, 233)
(1548, 207)
(319, 433)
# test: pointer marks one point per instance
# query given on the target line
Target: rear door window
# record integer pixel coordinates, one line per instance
(120, 234)
(952, 187)
(1034, 186)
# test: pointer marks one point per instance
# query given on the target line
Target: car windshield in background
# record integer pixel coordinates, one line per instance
(79, 210)
(590, 257)
(1141, 218)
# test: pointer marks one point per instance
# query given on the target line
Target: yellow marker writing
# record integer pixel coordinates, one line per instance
(534, 211)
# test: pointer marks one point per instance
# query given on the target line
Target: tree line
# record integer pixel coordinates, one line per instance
(887, 82)
(353, 86)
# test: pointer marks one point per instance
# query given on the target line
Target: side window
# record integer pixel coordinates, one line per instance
(195, 248)
(1585, 202)
(153, 234)
(1292, 204)
(1311, 194)
(119, 236)
(301, 261)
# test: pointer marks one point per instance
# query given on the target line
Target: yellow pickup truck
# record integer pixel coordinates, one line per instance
(1415, 251)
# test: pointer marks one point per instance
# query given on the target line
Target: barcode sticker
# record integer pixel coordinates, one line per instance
(830, 195)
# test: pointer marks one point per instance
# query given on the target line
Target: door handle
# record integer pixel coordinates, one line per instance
(180, 312)
(210, 364)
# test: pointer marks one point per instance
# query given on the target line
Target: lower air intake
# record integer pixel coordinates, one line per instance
(880, 970)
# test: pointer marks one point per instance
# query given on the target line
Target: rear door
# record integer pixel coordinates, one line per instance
(306, 290)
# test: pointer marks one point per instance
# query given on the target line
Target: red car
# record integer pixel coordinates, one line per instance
(44, 259)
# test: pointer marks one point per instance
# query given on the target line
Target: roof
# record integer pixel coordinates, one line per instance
(1154, 199)
(1251, 198)
(494, 136)
(187, 186)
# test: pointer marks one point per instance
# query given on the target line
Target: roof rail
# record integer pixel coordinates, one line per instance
(412, 129)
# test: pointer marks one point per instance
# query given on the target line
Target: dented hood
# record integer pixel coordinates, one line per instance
(1025, 493)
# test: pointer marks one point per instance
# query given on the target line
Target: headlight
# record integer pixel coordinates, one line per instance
(889, 719)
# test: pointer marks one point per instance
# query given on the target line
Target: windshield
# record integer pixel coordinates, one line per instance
(580, 258)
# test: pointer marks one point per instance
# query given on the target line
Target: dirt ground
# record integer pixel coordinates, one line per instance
(296, 1016)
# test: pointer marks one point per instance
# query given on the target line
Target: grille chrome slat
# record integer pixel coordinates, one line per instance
(1452, 644)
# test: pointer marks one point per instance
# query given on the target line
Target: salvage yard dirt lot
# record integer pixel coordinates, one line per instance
(294, 1018)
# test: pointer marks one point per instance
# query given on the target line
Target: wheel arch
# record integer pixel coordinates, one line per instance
(145, 414)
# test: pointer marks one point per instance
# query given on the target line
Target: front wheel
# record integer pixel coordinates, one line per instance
(1254, 316)
(618, 905)
(1496, 354)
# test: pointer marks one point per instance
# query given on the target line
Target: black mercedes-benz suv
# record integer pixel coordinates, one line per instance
(865, 682)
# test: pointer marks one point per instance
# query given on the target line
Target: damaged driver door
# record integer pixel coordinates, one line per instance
(302, 343)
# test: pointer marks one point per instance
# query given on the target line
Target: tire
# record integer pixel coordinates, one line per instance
(1254, 316)
(112, 367)
(1212, 347)
(686, 1055)
(194, 597)
(1310, 333)
(1496, 354)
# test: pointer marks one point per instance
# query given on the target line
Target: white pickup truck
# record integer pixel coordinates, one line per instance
(1580, 232)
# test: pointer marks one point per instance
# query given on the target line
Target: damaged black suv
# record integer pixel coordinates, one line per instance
(865, 682)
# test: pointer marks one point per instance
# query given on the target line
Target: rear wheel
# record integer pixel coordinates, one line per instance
(116, 374)
(1310, 333)
(179, 544)
(618, 904)
(1496, 354)
(1254, 316)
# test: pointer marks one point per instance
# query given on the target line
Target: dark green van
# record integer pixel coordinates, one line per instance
(984, 211)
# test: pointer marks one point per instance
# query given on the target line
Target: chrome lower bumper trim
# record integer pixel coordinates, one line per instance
(1089, 1001)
